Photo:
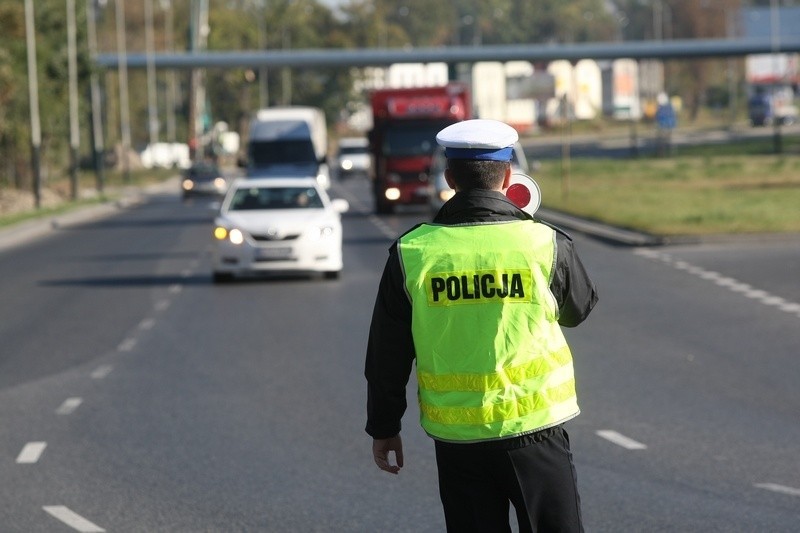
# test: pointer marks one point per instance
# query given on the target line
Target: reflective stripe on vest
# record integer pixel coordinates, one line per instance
(492, 361)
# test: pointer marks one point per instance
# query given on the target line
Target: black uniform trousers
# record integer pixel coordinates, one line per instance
(534, 472)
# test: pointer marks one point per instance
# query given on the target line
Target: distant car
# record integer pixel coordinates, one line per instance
(353, 157)
(203, 179)
(440, 191)
(278, 225)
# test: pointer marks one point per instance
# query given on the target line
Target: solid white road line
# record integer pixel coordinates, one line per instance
(31, 452)
(621, 440)
(774, 487)
(69, 406)
(101, 371)
(72, 519)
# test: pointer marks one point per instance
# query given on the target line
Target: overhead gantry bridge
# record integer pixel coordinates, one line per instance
(311, 58)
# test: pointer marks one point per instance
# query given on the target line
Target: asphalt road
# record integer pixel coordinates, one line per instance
(135, 395)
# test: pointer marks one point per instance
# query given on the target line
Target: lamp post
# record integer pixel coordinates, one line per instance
(94, 88)
(199, 34)
(122, 74)
(74, 129)
(172, 87)
(33, 92)
(263, 88)
(152, 105)
(775, 38)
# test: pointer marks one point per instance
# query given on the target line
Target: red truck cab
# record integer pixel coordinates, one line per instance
(403, 139)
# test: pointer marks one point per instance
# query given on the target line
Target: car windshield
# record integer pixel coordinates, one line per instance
(203, 173)
(282, 152)
(411, 139)
(265, 198)
(352, 150)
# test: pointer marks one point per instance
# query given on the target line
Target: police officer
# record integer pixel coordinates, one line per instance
(477, 298)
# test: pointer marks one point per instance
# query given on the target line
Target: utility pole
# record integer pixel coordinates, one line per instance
(33, 92)
(74, 129)
(199, 33)
(775, 37)
(124, 111)
(152, 104)
(172, 88)
(94, 87)
(263, 88)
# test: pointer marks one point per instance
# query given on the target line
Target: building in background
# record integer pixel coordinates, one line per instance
(772, 79)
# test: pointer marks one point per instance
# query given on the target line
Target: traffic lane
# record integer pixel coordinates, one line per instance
(101, 313)
(57, 290)
(638, 326)
(241, 407)
(374, 246)
(769, 263)
(676, 363)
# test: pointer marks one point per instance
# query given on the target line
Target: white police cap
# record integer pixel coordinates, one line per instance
(478, 139)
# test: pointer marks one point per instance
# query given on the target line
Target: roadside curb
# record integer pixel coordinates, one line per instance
(29, 230)
(598, 230)
(625, 237)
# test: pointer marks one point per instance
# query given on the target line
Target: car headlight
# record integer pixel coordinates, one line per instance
(219, 183)
(347, 164)
(234, 235)
(446, 195)
(392, 193)
(187, 185)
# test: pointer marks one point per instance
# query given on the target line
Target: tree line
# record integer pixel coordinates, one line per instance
(232, 94)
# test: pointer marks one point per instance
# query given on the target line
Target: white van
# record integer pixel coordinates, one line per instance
(353, 157)
(288, 142)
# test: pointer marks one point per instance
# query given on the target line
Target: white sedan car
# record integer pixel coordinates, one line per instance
(278, 225)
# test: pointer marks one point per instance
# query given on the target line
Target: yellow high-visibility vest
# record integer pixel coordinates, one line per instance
(492, 361)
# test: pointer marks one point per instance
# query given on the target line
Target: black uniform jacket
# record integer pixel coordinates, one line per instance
(390, 348)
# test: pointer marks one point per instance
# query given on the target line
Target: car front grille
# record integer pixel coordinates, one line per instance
(273, 238)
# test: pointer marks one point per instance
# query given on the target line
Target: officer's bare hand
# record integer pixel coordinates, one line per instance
(380, 452)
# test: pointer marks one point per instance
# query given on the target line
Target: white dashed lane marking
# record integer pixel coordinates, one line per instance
(147, 323)
(72, 519)
(791, 491)
(726, 282)
(69, 406)
(127, 345)
(31, 452)
(101, 371)
(621, 440)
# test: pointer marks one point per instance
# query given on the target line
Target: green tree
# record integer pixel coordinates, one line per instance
(52, 73)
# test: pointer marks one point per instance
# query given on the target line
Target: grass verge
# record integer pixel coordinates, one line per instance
(735, 188)
(56, 198)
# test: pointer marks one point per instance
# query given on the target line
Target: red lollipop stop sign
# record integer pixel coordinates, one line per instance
(524, 193)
